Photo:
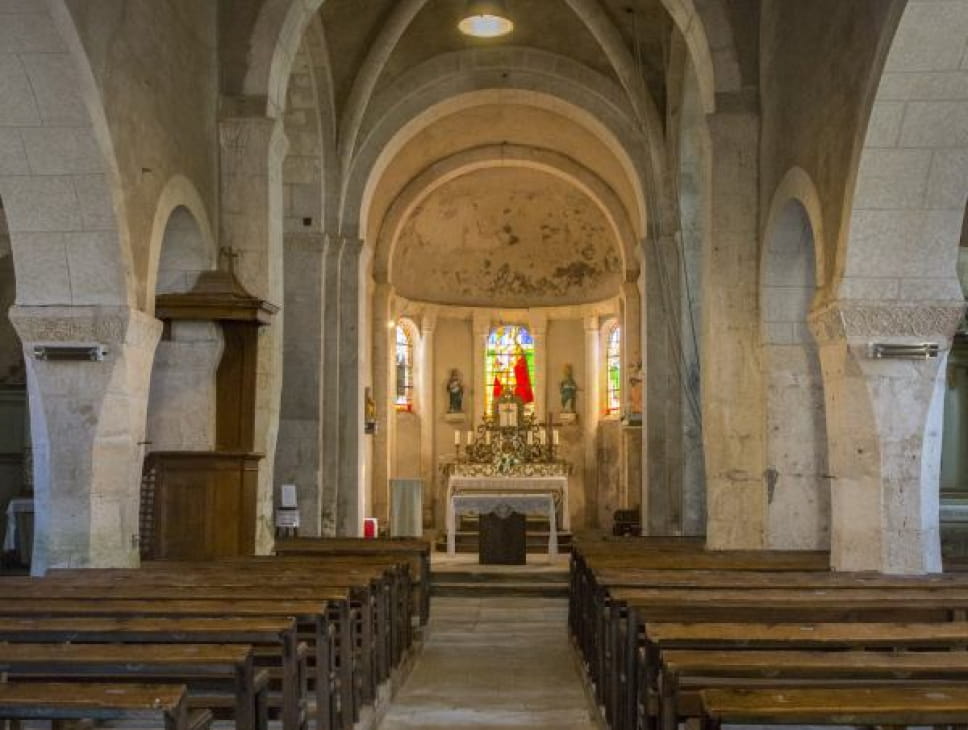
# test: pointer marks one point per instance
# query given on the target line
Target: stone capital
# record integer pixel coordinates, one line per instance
(860, 320)
(94, 324)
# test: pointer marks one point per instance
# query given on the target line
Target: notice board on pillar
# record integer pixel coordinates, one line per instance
(202, 505)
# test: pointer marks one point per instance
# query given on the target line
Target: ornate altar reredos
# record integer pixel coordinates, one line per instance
(510, 452)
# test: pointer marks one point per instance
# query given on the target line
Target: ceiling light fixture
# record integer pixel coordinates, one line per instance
(485, 19)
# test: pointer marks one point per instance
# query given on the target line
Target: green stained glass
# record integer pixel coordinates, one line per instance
(613, 371)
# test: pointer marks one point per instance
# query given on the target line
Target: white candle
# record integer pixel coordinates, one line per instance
(487, 438)
(530, 437)
(554, 436)
(542, 437)
(456, 438)
(470, 438)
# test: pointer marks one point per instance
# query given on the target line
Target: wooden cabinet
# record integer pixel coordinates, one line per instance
(199, 505)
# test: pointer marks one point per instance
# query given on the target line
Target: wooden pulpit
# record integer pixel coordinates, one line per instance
(199, 505)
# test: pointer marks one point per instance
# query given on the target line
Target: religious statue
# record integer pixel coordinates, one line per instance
(569, 390)
(455, 391)
(636, 381)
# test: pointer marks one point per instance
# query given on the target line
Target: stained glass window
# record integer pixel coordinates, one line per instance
(404, 360)
(613, 371)
(509, 365)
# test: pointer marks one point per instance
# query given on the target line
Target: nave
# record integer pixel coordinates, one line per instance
(494, 662)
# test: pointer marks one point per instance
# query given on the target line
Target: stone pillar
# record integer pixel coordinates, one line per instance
(662, 418)
(384, 389)
(884, 420)
(298, 458)
(252, 151)
(181, 404)
(481, 328)
(429, 388)
(732, 391)
(538, 325)
(632, 362)
(88, 428)
(330, 378)
(592, 409)
(349, 499)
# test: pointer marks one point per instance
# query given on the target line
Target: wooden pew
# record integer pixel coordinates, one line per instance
(215, 674)
(415, 550)
(688, 672)
(146, 704)
(936, 705)
(306, 613)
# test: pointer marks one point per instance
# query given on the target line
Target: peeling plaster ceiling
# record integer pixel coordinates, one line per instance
(507, 237)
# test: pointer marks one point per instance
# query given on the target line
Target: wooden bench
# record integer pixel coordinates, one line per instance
(217, 675)
(688, 672)
(938, 705)
(153, 704)
(311, 613)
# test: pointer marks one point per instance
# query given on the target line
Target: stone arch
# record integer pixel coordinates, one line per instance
(182, 393)
(182, 243)
(420, 110)
(502, 155)
(62, 198)
(912, 177)
(798, 498)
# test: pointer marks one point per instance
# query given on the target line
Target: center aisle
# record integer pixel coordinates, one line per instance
(494, 663)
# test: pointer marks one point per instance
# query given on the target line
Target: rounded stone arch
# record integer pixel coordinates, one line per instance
(65, 212)
(798, 494)
(902, 215)
(488, 156)
(797, 186)
(419, 112)
(182, 241)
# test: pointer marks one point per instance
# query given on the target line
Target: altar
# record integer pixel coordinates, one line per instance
(524, 479)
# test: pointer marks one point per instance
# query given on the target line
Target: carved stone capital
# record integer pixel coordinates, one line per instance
(97, 324)
(846, 320)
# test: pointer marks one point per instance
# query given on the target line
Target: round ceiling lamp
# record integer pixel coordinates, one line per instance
(485, 19)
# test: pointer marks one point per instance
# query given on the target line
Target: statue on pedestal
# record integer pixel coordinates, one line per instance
(569, 390)
(455, 393)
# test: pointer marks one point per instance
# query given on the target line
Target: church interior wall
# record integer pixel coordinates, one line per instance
(161, 124)
(814, 57)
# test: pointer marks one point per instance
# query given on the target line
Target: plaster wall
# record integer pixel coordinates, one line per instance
(817, 61)
(155, 62)
(507, 237)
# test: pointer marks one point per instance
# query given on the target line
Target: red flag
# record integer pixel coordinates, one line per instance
(522, 388)
(498, 388)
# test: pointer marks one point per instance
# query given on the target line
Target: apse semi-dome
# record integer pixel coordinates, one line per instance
(508, 237)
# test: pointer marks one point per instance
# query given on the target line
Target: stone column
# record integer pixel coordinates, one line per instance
(349, 500)
(383, 395)
(181, 404)
(88, 428)
(632, 456)
(732, 392)
(481, 328)
(662, 418)
(252, 151)
(330, 379)
(427, 410)
(298, 458)
(884, 420)
(538, 325)
(592, 403)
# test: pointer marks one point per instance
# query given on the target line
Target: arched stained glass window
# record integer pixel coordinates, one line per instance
(613, 371)
(404, 367)
(509, 365)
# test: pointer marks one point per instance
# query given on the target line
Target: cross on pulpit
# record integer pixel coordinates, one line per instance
(232, 254)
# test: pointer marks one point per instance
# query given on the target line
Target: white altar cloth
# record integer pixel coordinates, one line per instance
(557, 486)
(529, 504)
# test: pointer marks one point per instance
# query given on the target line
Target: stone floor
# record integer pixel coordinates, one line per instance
(490, 663)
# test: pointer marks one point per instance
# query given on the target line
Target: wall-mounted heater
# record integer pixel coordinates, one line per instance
(70, 353)
(896, 351)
